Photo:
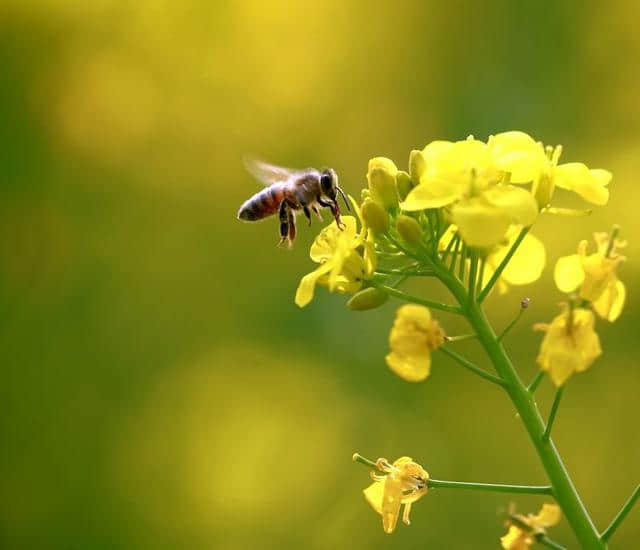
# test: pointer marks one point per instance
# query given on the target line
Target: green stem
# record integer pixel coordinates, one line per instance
(511, 324)
(564, 491)
(546, 541)
(414, 299)
(552, 415)
(535, 382)
(492, 487)
(621, 514)
(503, 264)
(473, 273)
(470, 366)
(400, 271)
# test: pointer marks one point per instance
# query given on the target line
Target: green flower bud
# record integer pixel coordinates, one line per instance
(409, 229)
(375, 216)
(369, 298)
(382, 182)
(403, 183)
(417, 166)
(543, 190)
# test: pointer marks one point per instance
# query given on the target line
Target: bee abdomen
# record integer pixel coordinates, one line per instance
(262, 204)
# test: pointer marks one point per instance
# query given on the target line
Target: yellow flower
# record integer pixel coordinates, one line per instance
(596, 275)
(404, 483)
(342, 267)
(569, 345)
(523, 530)
(463, 177)
(413, 337)
(524, 267)
(527, 161)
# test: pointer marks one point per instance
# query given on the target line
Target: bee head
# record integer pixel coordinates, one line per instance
(330, 187)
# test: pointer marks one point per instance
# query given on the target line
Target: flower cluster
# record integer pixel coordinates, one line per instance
(571, 343)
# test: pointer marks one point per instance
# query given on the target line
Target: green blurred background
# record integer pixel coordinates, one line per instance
(160, 388)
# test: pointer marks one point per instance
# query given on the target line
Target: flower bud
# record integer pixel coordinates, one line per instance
(375, 216)
(417, 166)
(382, 182)
(403, 183)
(409, 229)
(368, 298)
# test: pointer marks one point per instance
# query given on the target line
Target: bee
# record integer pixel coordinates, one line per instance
(290, 191)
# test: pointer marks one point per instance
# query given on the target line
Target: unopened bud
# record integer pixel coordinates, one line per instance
(403, 183)
(417, 166)
(369, 298)
(376, 217)
(525, 303)
(382, 182)
(409, 229)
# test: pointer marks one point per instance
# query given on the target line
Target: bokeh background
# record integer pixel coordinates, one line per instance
(160, 389)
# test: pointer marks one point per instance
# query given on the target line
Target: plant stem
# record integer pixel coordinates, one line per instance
(470, 366)
(552, 415)
(503, 264)
(564, 491)
(511, 324)
(535, 382)
(621, 514)
(414, 299)
(546, 541)
(493, 487)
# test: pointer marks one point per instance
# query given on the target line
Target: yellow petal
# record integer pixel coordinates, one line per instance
(516, 539)
(391, 503)
(518, 203)
(548, 516)
(435, 192)
(609, 305)
(307, 286)
(434, 150)
(576, 177)
(410, 368)
(326, 242)
(526, 264)
(373, 494)
(519, 154)
(568, 273)
(480, 224)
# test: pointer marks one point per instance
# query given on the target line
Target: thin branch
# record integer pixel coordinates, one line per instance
(473, 274)
(493, 487)
(546, 541)
(531, 388)
(415, 299)
(621, 515)
(503, 264)
(473, 368)
(511, 324)
(552, 415)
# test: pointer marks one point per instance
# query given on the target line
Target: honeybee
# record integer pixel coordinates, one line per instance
(290, 191)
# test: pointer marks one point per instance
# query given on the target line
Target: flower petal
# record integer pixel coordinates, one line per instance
(480, 223)
(435, 192)
(519, 154)
(374, 494)
(526, 264)
(413, 368)
(307, 286)
(576, 177)
(610, 303)
(518, 203)
(326, 242)
(569, 273)
(548, 516)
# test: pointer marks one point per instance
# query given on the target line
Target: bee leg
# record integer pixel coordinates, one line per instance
(335, 211)
(284, 222)
(317, 212)
(292, 226)
(307, 213)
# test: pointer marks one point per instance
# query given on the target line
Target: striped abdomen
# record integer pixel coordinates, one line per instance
(262, 204)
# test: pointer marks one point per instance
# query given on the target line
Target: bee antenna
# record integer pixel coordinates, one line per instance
(344, 197)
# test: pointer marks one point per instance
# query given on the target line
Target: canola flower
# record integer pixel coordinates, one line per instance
(524, 531)
(594, 276)
(460, 216)
(404, 483)
(413, 337)
(570, 344)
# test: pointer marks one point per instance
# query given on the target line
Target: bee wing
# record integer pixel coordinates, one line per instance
(267, 173)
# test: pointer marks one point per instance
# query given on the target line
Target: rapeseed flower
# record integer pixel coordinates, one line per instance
(595, 275)
(463, 177)
(569, 345)
(413, 337)
(404, 483)
(523, 530)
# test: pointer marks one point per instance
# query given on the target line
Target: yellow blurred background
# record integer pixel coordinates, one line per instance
(161, 389)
